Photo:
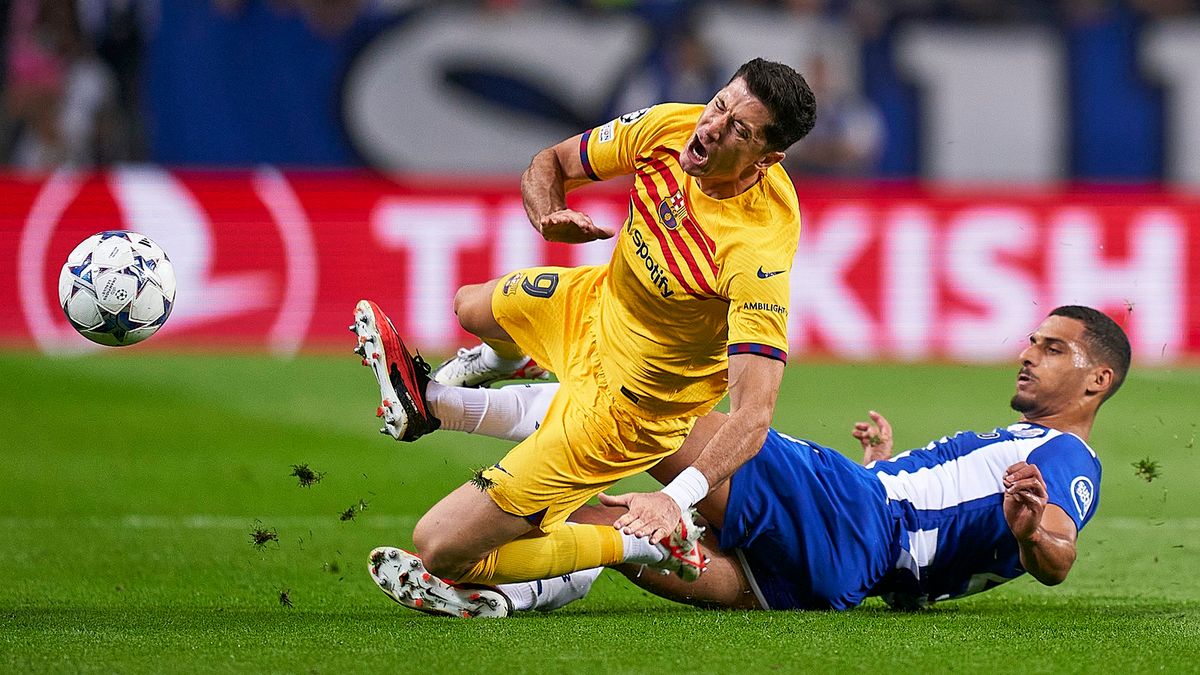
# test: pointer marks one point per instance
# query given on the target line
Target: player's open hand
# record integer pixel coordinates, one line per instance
(1025, 499)
(875, 437)
(651, 514)
(571, 227)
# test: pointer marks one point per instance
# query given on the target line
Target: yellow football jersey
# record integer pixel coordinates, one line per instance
(693, 279)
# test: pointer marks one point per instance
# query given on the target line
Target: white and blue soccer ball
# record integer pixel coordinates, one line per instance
(117, 288)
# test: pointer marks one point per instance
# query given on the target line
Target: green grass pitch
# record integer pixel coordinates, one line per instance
(130, 482)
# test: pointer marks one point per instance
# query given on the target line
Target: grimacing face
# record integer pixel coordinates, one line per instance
(728, 139)
(1056, 369)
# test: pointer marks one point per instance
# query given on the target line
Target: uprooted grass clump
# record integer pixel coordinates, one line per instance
(480, 481)
(1146, 469)
(261, 536)
(352, 512)
(305, 476)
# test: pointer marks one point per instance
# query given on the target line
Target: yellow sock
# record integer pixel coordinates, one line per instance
(541, 555)
(505, 350)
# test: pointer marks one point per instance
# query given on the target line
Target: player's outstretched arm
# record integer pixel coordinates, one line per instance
(553, 173)
(875, 437)
(1044, 532)
(753, 386)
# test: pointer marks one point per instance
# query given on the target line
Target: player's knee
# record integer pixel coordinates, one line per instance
(428, 536)
(436, 550)
(472, 305)
(440, 564)
(462, 301)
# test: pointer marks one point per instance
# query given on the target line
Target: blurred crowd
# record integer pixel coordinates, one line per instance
(70, 82)
(72, 69)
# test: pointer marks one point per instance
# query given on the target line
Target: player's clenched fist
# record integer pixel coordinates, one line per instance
(1024, 499)
(571, 227)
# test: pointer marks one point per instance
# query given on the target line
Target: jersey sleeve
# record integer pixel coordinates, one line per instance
(611, 149)
(1072, 476)
(759, 283)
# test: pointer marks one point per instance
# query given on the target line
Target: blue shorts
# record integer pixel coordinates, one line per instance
(815, 529)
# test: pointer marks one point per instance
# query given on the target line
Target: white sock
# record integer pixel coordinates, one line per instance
(494, 361)
(549, 594)
(640, 550)
(458, 408)
(512, 413)
(521, 594)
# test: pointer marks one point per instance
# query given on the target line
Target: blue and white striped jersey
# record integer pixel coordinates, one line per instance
(949, 499)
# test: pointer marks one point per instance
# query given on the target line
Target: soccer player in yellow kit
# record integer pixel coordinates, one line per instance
(693, 302)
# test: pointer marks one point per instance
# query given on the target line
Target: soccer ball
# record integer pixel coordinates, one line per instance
(117, 288)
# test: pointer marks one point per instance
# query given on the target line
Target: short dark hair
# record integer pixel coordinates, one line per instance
(1106, 341)
(787, 97)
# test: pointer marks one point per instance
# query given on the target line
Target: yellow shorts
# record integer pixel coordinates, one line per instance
(586, 442)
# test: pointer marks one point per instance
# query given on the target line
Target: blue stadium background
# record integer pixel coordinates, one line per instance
(242, 83)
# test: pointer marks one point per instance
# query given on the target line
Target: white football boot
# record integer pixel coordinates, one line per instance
(468, 369)
(403, 577)
(682, 549)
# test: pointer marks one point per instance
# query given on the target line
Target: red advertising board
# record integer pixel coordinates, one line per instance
(274, 260)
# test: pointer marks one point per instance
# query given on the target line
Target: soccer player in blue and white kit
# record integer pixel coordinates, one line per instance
(799, 526)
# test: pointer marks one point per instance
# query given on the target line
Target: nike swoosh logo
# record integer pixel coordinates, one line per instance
(767, 275)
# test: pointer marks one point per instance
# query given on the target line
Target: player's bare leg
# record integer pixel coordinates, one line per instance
(723, 584)
(462, 529)
(473, 307)
(498, 358)
(467, 537)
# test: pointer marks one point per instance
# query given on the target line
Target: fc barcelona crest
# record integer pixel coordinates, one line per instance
(671, 210)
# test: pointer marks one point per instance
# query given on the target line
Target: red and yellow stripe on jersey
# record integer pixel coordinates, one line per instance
(693, 279)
